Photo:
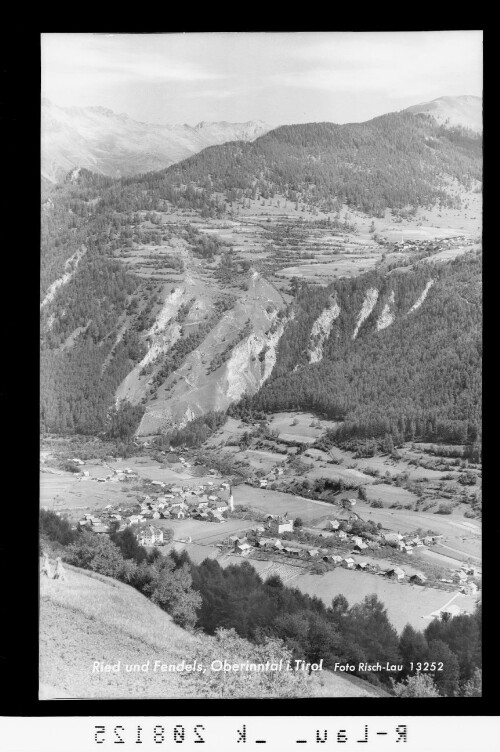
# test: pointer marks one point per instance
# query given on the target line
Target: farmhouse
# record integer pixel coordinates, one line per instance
(404, 548)
(468, 569)
(243, 548)
(216, 517)
(281, 524)
(349, 502)
(459, 576)
(178, 514)
(360, 547)
(395, 574)
(292, 551)
(266, 542)
(418, 579)
(470, 588)
(348, 563)
(451, 611)
(333, 524)
(221, 506)
(333, 558)
(392, 539)
(416, 541)
(100, 528)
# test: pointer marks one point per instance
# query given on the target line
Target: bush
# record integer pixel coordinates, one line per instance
(470, 514)
(420, 685)
(377, 504)
(95, 552)
(56, 528)
(444, 508)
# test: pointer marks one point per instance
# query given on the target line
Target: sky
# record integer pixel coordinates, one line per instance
(280, 78)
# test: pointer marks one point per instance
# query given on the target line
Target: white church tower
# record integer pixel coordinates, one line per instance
(231, 500)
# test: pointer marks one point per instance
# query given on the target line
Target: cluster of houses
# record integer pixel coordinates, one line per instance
(403, 543)
(265, 541)
(462, 578)
(303, 551)
(114, 477)
(204, 502)
(412, 245)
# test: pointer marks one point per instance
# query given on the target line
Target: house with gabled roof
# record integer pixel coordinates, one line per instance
(395, 574)
(418, 579)
(243, 548)
(392, 539)
(100, 528)
(291, 551)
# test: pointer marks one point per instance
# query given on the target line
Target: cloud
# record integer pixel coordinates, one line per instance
(210, 94)
(393, 64)
(73, 62)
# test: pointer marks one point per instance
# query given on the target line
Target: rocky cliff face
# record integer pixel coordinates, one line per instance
(227, 364)
(321, 331)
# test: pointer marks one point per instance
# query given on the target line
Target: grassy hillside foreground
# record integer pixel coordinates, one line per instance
(89, 617)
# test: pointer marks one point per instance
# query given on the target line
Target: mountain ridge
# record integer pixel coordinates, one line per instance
(465, 111)
(116, 145)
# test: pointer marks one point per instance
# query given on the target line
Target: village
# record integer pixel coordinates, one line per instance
(322, 541)
(278, 536)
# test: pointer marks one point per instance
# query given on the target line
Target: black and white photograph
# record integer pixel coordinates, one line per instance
(260, 365)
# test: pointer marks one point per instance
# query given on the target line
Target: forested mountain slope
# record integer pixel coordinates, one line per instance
(396, 160)
(144, 312)
(402, 355)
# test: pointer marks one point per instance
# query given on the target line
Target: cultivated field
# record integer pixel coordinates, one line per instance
(296, 426)
(277, 502)
(389, 494)
(207, 533)
(345, 266)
